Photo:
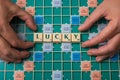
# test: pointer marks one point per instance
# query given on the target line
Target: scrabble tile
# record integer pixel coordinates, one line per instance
(66, 47)
(47, 37)
(95, 75)
(75, 56)
(28, 66)
(39, 19)
(101, 27)
(66, 37)
(38, 37)
(21, 36)
(19, 75)
(84, 11)
(57, 37)
(75, 20)
(92, 35)
(57, 3)
(66, 28)
(115, 57)
(21, 3)
(38, 56)
(86, 66)
(57, 75)
(92, 3)
(47, 47)
(47, 28)
(76, 37)
(30, 10)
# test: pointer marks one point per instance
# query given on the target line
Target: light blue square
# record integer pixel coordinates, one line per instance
(47, 47)
(47, 28)
(66, 28)
(57, 75)
(66, 47)
(56, 3)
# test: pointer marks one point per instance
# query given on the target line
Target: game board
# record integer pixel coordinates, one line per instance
(59, 59)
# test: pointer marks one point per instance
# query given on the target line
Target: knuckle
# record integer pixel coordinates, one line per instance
(6, 53)
(14, 43)
(101, 37)
(111, 48)
(89, 19)
(28, 16)
(14, 9)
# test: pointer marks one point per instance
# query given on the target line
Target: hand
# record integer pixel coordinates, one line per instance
(110, 10)
(8, 38)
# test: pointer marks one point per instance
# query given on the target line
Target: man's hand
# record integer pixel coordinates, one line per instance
(8, 38)
(110, 9)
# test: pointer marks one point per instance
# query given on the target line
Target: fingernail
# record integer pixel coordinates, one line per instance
(89, 53)
(80, 27)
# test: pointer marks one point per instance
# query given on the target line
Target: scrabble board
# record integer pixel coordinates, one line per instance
(58, 59)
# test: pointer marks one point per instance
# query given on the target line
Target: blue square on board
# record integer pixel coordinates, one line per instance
(39, 19)
(115, 57)
(38, 56)
(75, 56)
(75, 20)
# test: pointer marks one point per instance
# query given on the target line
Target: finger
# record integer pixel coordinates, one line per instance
(101, 58)
(104, 50)
(18, 55)
(111, 47)
(103, 35)
(11, 37)
(27, 18)
(7, 59)
(25, 54)
(96, 15)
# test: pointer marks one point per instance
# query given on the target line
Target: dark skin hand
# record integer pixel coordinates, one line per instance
(110, 10)
(9, 40)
